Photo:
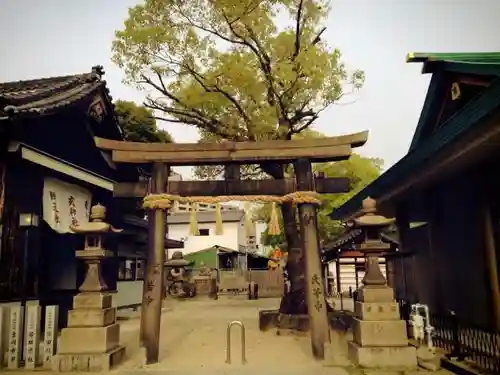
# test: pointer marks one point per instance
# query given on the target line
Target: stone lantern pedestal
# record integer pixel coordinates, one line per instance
(91, 342)
(379, 335)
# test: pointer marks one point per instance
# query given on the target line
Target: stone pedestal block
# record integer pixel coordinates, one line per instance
(89, 339)
(91, 342)
(376, 294)
(382, 357)
(91, 362)
(379, 332)
(91, 317)
(92, 301)
(376, 310)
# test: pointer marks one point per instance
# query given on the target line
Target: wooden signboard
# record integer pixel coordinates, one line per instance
(32, 336)
(50, 336)
(15, 332)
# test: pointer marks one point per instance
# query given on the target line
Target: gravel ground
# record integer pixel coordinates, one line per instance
(193, 341)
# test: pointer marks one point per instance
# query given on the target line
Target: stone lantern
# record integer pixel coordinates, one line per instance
(91, 340)
(178, 275)
(379, 335)
(372, 246)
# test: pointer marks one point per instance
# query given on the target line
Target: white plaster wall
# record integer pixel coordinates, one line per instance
(128, 293)
(260, 227)
(229, 238)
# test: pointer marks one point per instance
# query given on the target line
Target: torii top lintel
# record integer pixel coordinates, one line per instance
(177, 154)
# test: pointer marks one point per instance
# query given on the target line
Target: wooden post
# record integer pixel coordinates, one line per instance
(32, 336)
(316, 302)
(152, 298)
(491, 264)
(15, 332)
(339, 284)
(50, 335)
(232, 172)
(356, 276)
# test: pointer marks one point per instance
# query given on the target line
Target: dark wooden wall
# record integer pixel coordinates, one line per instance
(447, 270)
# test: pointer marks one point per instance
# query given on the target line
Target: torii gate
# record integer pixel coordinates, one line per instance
(300, 153)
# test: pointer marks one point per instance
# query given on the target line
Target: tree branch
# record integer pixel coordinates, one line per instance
(298, 30)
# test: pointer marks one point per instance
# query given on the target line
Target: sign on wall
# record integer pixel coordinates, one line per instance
(65, 204)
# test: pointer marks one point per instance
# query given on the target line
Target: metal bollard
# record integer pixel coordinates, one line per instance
(228, 344)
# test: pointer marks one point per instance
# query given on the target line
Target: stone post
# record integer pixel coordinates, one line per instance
(315, 292)
(91, 342)
(379, 335)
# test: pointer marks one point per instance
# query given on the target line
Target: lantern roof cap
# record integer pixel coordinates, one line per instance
(370, 218)
(96, 223)
(177, 260)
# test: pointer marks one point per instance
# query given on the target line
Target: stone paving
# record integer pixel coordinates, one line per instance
(193, 341)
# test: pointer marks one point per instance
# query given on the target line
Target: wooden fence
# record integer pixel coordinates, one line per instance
(269, 283)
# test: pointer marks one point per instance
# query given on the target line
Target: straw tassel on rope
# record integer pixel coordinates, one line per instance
(273, 227)
(218, 220)
(193, 222)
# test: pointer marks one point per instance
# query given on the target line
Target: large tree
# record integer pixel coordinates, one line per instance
(238, 70)
(138, 123)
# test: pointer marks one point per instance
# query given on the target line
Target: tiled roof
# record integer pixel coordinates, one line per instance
(43, 96)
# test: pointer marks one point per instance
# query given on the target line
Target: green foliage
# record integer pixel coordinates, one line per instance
(138, 123)
(228, 68)
(360, 170)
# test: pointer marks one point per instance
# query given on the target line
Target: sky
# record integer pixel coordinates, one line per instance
(59, 37)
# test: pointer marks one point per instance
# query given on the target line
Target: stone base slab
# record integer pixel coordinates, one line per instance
(86, 340)
(90, 362)
(272, 319)
(376, 310)
(402, 357)
(91, 317)
(379, 333)
(92, 301)
(375, 294)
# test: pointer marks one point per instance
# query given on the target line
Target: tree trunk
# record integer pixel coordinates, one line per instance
(295, 301)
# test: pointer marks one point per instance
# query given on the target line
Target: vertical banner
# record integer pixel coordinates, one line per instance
(15, 332)
(50, 337)
(32, 336)
(65, 204)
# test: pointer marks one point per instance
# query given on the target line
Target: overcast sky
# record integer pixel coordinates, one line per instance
(58, 37)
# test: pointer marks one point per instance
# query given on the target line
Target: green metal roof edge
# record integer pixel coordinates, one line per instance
(472, 113)
(462, 57)
(430, 108)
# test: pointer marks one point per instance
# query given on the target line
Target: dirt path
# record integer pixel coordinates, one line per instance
(193, 341)
(193, 337)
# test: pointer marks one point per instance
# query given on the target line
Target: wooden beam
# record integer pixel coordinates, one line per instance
(231, 187)
(322, 149)
(217, 157)
(354, 140)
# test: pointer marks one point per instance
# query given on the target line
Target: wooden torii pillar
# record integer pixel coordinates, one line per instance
(232, 154)
(315, 292)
